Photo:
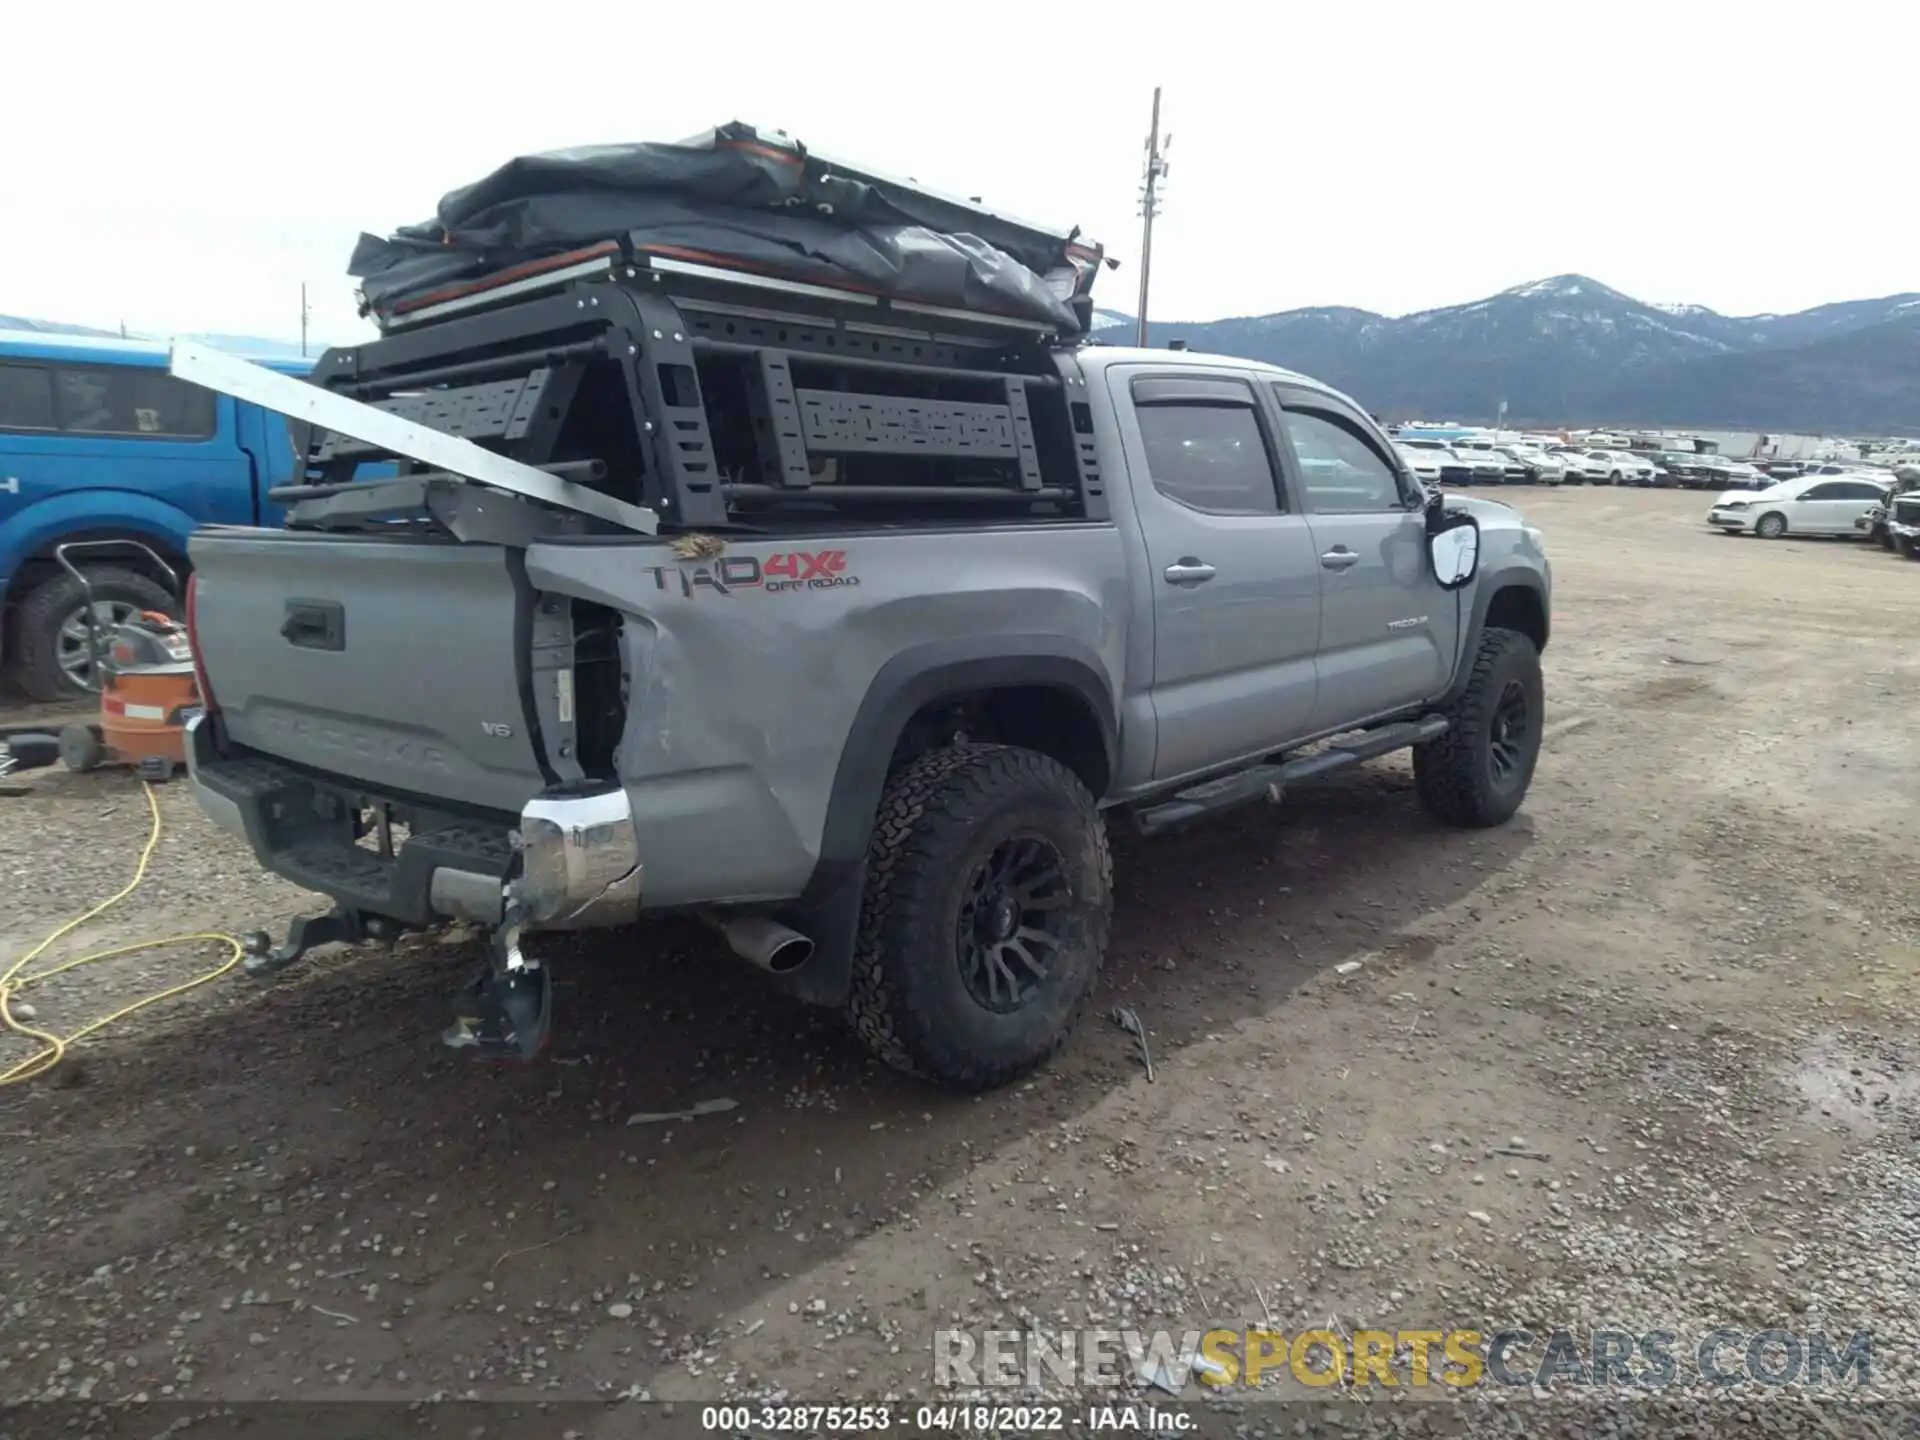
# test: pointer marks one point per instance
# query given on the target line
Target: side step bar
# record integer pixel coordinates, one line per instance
(1268, 782)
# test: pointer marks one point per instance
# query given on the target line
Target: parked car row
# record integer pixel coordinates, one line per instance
(1478, 461)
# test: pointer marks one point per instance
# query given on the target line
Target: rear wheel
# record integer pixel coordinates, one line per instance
(54, 661)
(984, 921)
(1476, 774)
(1771, 526)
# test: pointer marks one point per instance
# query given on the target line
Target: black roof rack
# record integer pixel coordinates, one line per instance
(507, 360)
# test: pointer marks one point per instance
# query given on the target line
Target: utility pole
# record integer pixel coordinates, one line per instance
(1156, 171)
(303, 319)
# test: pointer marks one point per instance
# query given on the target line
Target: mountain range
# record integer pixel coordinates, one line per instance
(1561, 351)
(1569, 350)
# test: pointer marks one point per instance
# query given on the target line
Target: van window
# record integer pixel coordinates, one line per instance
(123, 400)
(26, 398)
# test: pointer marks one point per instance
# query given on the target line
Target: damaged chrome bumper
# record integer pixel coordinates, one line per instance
(579, 861)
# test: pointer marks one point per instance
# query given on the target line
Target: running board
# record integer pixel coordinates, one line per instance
(1269, 782)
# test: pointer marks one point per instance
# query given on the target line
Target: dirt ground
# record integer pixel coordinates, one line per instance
(1680, 988)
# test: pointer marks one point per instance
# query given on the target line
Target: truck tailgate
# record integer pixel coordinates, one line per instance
(398, 661)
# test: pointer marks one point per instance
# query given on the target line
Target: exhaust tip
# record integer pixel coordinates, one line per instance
(765, 943)
(790, 955)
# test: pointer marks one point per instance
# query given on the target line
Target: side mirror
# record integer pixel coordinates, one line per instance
(1453, 545)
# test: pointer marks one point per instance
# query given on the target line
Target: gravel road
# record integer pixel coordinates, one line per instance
(1645, 1059)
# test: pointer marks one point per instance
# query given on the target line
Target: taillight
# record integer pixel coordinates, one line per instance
(207, 701)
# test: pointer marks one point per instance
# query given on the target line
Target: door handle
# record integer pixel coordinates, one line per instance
(1339, 558)
(1189, 571)
(315, 625)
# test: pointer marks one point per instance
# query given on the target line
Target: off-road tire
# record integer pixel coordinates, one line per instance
(942, 817)
(1455, 774)
(1770, 531)
(53, 603)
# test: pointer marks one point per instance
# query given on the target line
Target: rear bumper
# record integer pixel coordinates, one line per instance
(570, 859)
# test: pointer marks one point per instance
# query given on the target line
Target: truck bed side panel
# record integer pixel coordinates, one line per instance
(747, 671)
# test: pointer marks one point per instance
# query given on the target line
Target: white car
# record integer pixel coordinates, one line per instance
(1424, 462)
(1624, 467)
(1477, 455)
(1541, 468)
(1819, 506)
(1453, 470)
(1582, 468)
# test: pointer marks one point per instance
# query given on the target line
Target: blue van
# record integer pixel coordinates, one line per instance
(99, 442)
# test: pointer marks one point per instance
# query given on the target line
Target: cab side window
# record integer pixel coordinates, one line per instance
(1204, 446)
(1340, 470)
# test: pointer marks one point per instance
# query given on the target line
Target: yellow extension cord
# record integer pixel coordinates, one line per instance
(12, 981)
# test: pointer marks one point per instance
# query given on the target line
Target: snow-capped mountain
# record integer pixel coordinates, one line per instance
(1569, 349)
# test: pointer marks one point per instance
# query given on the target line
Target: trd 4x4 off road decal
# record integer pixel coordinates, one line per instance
(783, 572)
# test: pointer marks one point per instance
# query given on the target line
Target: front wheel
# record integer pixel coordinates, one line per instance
(1476, 774)
(984, 921)
(1771, 526)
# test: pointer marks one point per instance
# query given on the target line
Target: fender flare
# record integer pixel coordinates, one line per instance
(1486, 586)
(828, 910)
(83, 512)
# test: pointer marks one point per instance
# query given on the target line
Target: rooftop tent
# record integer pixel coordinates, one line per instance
(739, 199)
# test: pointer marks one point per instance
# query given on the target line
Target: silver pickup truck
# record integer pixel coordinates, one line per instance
(912, 632)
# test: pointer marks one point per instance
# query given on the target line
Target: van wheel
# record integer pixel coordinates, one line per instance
(53, 660)
(1476, 773)
(984, 921)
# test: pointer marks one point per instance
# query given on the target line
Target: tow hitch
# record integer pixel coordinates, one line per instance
(310, 932)
(507, 1012)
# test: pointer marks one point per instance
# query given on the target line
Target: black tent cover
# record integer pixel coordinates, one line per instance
(742, 198)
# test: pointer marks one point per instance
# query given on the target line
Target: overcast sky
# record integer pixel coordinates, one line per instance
(185, 167)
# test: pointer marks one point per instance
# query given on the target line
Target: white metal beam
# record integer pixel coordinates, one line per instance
(301, 400)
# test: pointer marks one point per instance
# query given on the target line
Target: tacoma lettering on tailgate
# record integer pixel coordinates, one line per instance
(348, 740)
